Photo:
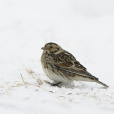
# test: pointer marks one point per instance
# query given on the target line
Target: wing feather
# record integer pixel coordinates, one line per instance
(67, 60)
(65, 64)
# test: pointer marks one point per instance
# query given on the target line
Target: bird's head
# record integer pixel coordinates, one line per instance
(52, 48)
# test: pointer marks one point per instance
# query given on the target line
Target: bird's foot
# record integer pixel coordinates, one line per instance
(57, 84)
(53, 84)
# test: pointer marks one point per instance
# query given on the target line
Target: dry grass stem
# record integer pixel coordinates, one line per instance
(29, 71)
(26, 83)
(23, 80)
(38, 80)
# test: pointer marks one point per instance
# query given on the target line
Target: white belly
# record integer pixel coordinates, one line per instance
(56, 77)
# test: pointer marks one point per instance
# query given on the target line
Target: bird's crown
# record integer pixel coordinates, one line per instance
(52, 48)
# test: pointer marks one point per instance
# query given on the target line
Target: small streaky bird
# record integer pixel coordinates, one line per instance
(62, 67)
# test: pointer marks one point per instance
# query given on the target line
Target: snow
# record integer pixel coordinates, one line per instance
(84, 28)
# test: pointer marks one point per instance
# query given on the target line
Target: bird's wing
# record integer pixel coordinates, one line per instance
(67, 60)
(80, 66)
(64, 64)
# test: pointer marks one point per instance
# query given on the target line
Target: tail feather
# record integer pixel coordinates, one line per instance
(83, 78)
(81, 75)
(99, 82)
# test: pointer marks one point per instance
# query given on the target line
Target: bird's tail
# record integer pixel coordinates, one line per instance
(90, 79)
(99, 82)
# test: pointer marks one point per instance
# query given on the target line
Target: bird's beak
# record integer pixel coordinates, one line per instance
(43, 48)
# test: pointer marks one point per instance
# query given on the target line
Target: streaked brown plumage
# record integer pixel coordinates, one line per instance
(61, 66)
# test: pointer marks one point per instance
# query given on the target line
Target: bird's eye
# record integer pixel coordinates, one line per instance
(51, 47)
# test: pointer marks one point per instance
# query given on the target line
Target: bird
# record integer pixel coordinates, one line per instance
(62, 67)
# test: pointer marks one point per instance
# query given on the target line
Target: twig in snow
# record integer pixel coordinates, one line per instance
(38, 80)
(38, 86)
(23, 80)
(29, 71)
(26, 83)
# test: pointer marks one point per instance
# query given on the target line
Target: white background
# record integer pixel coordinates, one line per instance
(83, 27)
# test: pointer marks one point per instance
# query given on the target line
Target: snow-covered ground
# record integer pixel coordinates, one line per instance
(83, 27)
